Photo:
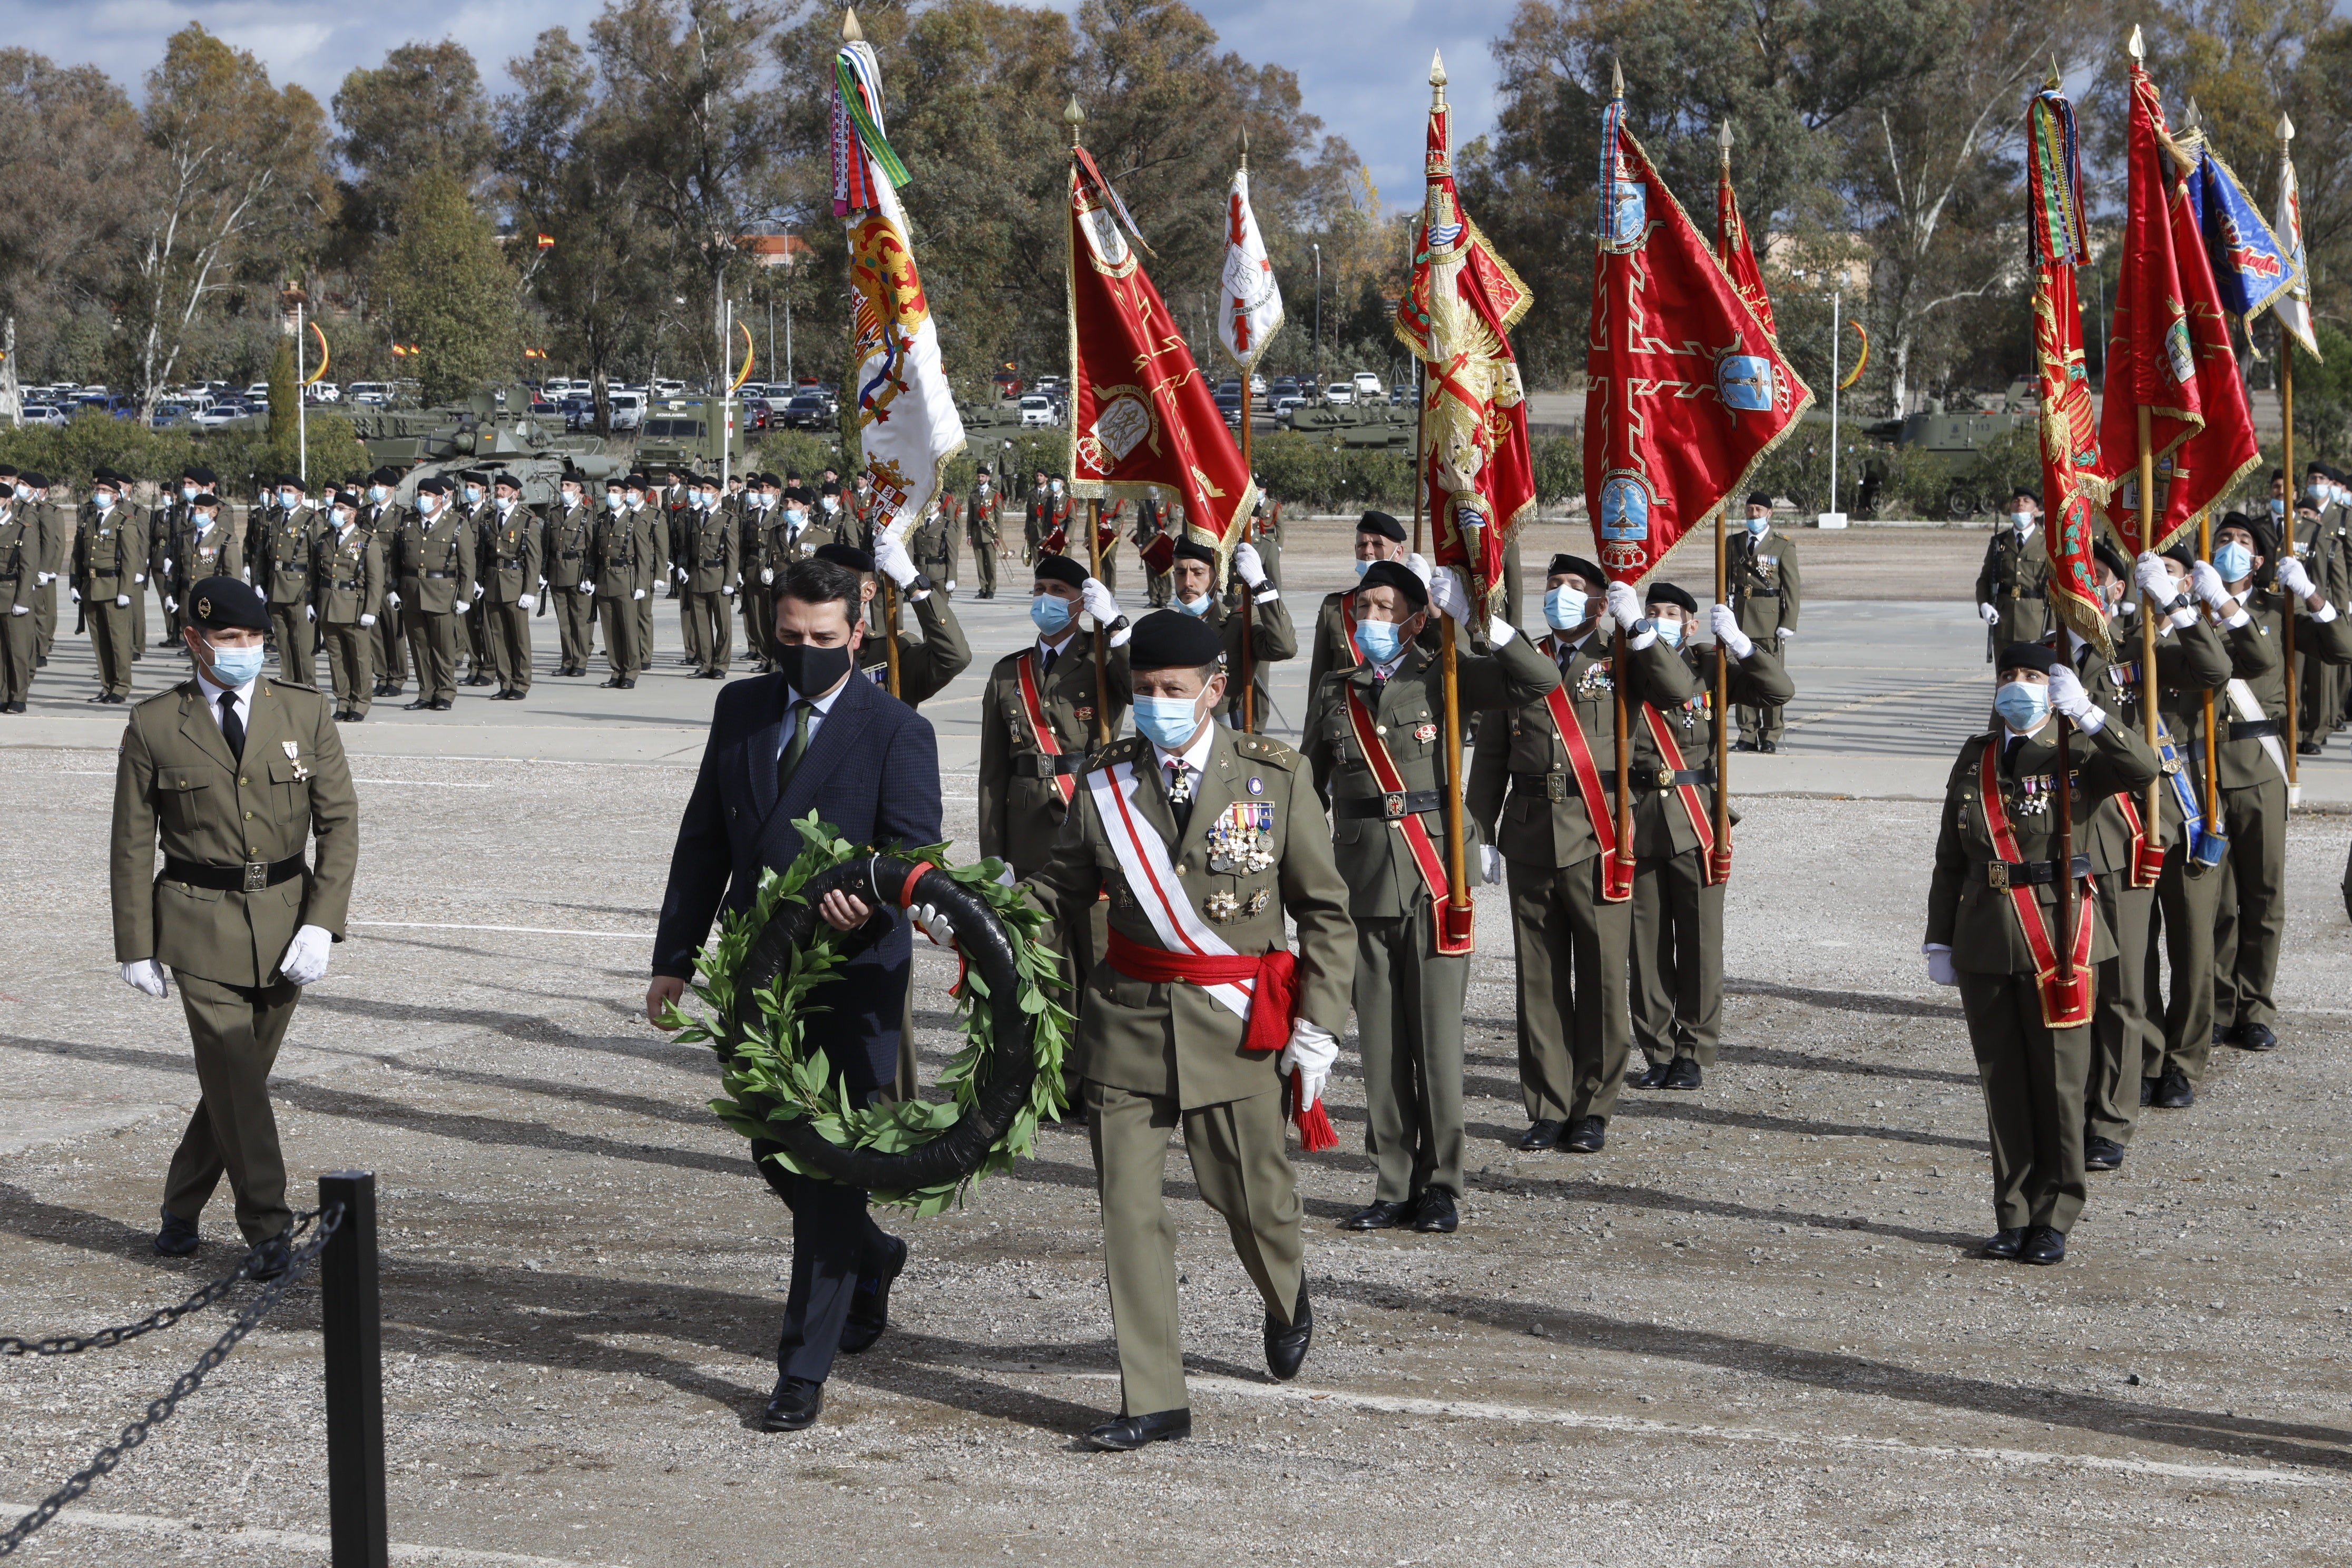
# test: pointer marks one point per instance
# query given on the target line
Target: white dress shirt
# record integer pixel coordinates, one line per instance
(817, 715)
(213, 690)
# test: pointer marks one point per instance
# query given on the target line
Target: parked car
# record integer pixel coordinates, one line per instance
(808, 411)
(628, 410)
(47, 414)
(1367, 387)
(1036, 408)
(1281, 402)
(1340, 393)
(323, 392)
(228, 411)
(759, 414)
(1229, 404)
(579, 411)
(370, 393)
(259, 392)
(168, 414)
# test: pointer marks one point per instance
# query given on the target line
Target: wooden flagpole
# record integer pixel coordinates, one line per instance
(1074, 117)
(1474, 547)
(1722, 703)
(1249, 629)
(2286, 553)
(2152, 809)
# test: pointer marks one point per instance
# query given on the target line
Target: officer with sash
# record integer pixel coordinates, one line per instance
(1038, 715)
(1679, 870)
(564, 555)
(982, 530)
(1542, 787)
(1192, 574)
(1200, 843)
(620, 576)
(2013, 586)
(1379, 537)
(1766, 592)
(2252, 919)
(1375, 738)
(434, 566)
(1996, 926)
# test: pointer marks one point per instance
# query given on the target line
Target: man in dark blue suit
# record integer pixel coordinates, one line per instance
(810, 738)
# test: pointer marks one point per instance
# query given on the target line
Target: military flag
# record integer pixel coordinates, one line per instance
(2252, 269)
(2293, 305)
(1249, 309)
(1687, 391)
(2073, 486)
(1732, 247)
(907, 419)
(1459, 305)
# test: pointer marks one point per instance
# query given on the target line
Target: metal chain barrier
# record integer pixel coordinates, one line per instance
(297, 1263)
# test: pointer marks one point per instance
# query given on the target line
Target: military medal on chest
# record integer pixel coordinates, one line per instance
(294, 755)
(1224, 909)
(1241, 839)
(1596, 679)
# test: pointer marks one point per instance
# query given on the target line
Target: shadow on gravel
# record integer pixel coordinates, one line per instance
(1869, 1001)
(1676, 1106)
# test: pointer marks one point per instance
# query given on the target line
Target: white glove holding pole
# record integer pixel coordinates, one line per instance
(2154, 579)
(1992, 617)
(1939, 964)
(146, 975)
(2294, 578)
(1448, 596)
(1418, 564)
(1725, 626)
(1252, 569)
(1624, 604)
(2071, 703)
(890, 559)
(1100, 602)
(306, 955)
(2207, 584)
(1310, 1053)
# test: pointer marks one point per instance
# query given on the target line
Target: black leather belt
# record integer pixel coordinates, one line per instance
(2026, 873)
(2023, 594)
(568, 555)
(96, 572)
(441, 574)
(1558, 786)
(1643, 777)
(1759, 592)
(250, 878)
(345, 588)
(1038, 765)
(1393, 806)
(289, 569)
(2253, 729)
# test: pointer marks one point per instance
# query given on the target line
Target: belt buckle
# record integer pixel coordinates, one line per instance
(1555, 787)
(256, 877)
(1392, 806)
(1997, 875)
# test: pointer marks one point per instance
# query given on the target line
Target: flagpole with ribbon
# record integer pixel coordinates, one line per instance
(1457, 865)
(1723, 596)
(1073, 116)
(2286, 464)
(1619, 655)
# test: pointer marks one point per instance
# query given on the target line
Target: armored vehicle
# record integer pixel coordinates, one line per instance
(493, 429)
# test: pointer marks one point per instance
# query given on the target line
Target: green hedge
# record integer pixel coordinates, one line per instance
(94, 441)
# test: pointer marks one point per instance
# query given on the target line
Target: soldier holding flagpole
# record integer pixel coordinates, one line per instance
(1249, 313)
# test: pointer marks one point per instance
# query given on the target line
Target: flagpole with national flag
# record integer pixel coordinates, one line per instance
(1738, 257)
(1249, 313)
(2295, 327)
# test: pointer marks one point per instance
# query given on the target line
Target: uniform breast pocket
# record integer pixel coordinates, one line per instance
(179, 800)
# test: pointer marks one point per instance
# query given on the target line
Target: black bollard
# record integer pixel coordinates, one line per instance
(353, 1318)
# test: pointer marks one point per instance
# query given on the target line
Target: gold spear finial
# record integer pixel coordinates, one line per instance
(1616, 77)
(1073, 116)
(2287, 129)
(2057, 78)
(1244, 146)
(2135, 46)
(851, 33)
(1436, 79)
(1723, 140)
(2191, 119)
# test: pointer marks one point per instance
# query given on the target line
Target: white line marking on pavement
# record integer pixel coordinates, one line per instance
(525, 931)
(294, 1540)
(1525, 1415)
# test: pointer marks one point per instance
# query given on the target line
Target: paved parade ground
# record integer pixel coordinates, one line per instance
(1752, 1330)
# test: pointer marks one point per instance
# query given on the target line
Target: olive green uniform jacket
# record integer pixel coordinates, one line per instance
(924, 667)
(2015, 581)
(348, 576)
(1021, 811)
(1661, 824)
(434, 563)
(1767, 588)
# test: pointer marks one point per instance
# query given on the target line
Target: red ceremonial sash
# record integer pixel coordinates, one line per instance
(1453, 932)
(1025, 668)
(1616, 870)
(2065, 1005)
(1348, 627)
(1271, 976)
(1701, 822)
(2147, 857)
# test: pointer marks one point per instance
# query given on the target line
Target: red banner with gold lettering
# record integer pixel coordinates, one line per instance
(1140, 413)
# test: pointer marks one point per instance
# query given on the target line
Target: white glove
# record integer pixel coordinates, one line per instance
(2154, 579)
(139, 576)
(951, 584)
(726, 592)
(478, 590)
(1726, 626)
(121, 601)
(1939, 964)
(366, 621)
(467, 607)
(1490, 864)
(392, 600)
(44, 579)
(890, 559)
(1247, 562)
(681, 573)
(767, 574)
(1624, 604)
(1784, 633)
(1311, 1052)
(1448, 596)
(2207, 584)
(146, 975)
(1418, 564)
(306, 955)
(2294, 578)
(76, 595)
(1992, 617)
(1100, 602)
(2067, 696)
(170, 604)
(526, 601)
(935, 924)
(167, 566)
(21, 610)
(587, 589)
(309, 614)
(637, 593)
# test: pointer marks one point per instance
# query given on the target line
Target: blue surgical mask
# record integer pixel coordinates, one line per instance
(1670, 633)
(102, 499)
(1380, 641)
(1166, 722)
(1199, 606)
(289, 500)
(611, 500)
(2022, 705)
(1050, 614)
(236, 666)
(473, 495)
(1362, 567)
(1565, 607)
(1759, 524)
(378, 494)
(427, 506)
(189, 492)
(506, 503)
(2317, 494)
(2234, 562)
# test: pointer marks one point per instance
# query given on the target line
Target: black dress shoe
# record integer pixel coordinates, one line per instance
(357, 717)
(2006, 1242)
(1285, 1343)
(2044, 1245)
(1684, 1074)
(2101, 1153)
(1131, 1432)
(269, 1260)
(15, 708)
(2309, 748)
(1542, 1135)
(1768, 745)
(1743, 745)
(509, 695)
(1651, 1076)
(1434, 1212)
(342, 716)
(1377, 1216)
(422, 705)
(2253, 1038)
(177, 1236)
(1586, 1136)
(2221, 1034)
(2148, 1091)
(629, 685)
(2172, 1091)
(795, 1405)
(869, 1304)
(442, 705)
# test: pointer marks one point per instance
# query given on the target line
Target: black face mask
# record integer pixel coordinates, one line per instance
(811, 671)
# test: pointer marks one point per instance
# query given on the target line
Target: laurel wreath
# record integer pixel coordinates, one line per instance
(772, 1074)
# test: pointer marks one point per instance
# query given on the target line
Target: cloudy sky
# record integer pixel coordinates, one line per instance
(1361, 63)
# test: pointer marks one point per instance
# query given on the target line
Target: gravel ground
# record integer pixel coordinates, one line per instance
(1751, 1331)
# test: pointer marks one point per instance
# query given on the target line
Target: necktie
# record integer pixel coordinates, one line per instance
(1046, 664)
(1180, 795)
(232, 727)
(794, 749)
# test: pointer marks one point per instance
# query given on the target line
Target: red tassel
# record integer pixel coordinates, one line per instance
(1274, 999)
(1315, 1131)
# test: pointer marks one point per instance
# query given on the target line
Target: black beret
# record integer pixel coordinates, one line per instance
(1577, 564)
(1760, 497)
(2266, 541)
(801, 495)
(2026, 655)
(1061, 569)
(1663, 592)
(205, 497)
(346, 498)
(106, 476)
(2315, 468)
(1403, 578)
(387, 475)
(637, 482)
(8, 470)
(769, 481)
(2029, 492)
(224, 603)
(1381, 523)
(293, 480)
(2182, 554)
(34, 482)
(2111, 559)
(502, 477)
(203, 476)
(1170, 639)
(1191, 551)
(847, 555)
(435, 486)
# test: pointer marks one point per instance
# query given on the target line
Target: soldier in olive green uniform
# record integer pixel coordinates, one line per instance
(932, 543)
(1199, 843)
(510, 572)
(1766, 592)
(619, 579)
(2252, 764)
(2012, 586)
(232, 776)
(1994, 928)
(349, 572)
(20, 573)
(1387, 791)
(1679, 883)
(109, 553)
(983, 530)
(57, 525)
(1193, 574)
(1555, 832)
(281, 570)
(207, 545)
(1152, 526)
(434, 564)
(924, 667)
(380, 514)
(471, 502)
(1379, 537)
(651, 525)
(709, 572)
(757, 597)
(2323, 542)
(563, 558)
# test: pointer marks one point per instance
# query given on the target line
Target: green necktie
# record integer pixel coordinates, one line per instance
(797, 748)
